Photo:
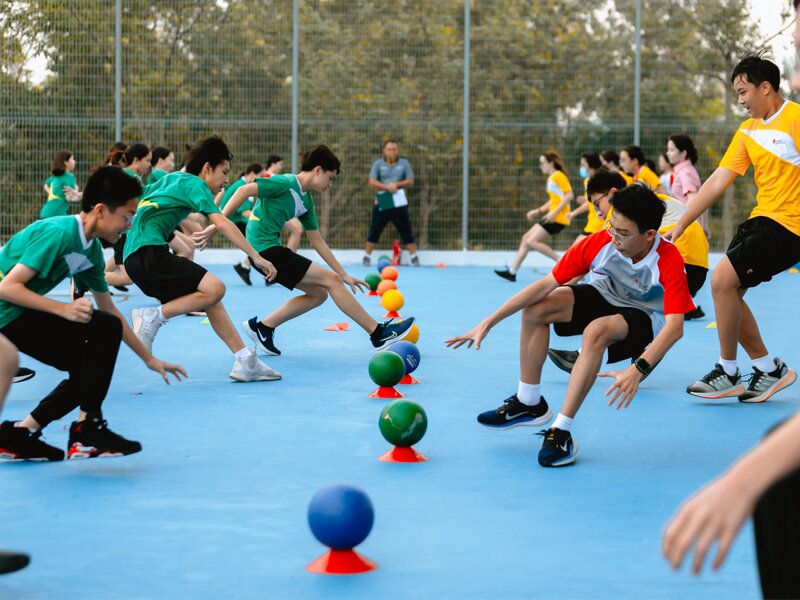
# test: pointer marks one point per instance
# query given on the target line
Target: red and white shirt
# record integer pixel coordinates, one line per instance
(656, 284)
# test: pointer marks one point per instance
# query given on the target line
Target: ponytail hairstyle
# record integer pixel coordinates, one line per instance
(158, 153)
(212, 150)
(555, 158)
(684, 144)
(135, 151)
(116, 154)
(252, 168)
(320, 156)
(60, 158)
(636, 153)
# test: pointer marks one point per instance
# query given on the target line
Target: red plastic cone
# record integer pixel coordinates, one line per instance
(402, 455)
(386, 392)
(341, 562)
(373, 293)
(408, 380)
(392, 314)
(338, 327)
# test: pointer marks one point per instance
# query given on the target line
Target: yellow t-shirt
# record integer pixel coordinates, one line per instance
(647, 176)
(628, 179)
(593, 222)
(557, 186)
(771, 146)
(693, 244)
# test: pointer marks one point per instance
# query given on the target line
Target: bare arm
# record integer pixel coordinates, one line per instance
(238, 198)
(717, 512)
(12, 289)
(321, 246)
(709, 192)
(532, 294)
(550, 216)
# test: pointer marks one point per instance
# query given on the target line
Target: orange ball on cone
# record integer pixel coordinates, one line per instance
(389, 273)
(386, 284)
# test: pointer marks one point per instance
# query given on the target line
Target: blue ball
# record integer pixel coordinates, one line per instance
(340, 516)
(383, 262)
(408, 352)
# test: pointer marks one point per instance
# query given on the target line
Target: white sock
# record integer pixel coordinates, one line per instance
(161, 314)
(242, 354)
(765, 364)
(529, 393)
(412, 255)
(512, 271)
(563, 423)
(729, 366)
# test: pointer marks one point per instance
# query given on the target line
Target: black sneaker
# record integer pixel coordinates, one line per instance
(92, 439)
(121, 288)
(13, 561)
(697, 313)
(763, 385)
(390, 332)
(243, 272)
(563, 359)
(558, 448)
(366, 261)
(23, 374)
(514, 413)
(20, 443)
(506, 274)
(415, 261)
(262, 335)
(717, 384)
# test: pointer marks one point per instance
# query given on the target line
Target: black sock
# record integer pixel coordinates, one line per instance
(377, 331)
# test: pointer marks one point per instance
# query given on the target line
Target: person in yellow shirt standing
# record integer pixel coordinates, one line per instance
(632, 161)
(590, 165)
(555, 211)
(765, 244)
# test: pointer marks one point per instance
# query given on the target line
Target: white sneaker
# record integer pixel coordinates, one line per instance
(252, 369)
(146, 323)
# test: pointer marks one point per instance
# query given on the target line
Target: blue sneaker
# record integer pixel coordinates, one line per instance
(390, 332)
(558, 448)
(514, 413)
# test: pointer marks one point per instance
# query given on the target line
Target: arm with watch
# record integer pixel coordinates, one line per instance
(627, 380)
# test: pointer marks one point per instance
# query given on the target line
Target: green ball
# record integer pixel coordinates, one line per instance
(384, 257)
(403, 423)
(386, 368)
(373, 279)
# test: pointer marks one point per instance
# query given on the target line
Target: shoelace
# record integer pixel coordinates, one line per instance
(756, 381)
(715, 373)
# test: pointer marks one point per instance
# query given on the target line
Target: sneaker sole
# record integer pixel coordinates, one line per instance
(737, 391)
(565, 461)
(136, 322)
(12, 457)
(16, 562)
(790, 378)
(242, 380)
(561, 364)
(23, 378)
(402, 336)
(84, 453)
(252, 335)
(538, 421)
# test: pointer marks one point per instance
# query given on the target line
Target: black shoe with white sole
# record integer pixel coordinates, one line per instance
(513, 413)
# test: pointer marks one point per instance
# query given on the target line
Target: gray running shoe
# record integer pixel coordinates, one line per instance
(563, 359)
(717, 384)
(763, 385)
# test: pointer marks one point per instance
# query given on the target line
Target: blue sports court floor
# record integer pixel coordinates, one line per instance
(215, 505)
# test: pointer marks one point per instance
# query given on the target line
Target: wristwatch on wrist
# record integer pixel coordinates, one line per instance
(642, 366)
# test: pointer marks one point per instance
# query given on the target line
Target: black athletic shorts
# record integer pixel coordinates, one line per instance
(163, 275)
(242, 225)
(696, 276)
(761, 249)
(590, 305)
(381, 218)
(118, 247)
(291, 266)
(552, 228)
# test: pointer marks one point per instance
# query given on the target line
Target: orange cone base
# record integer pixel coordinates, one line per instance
(392, 314)
(408, 380)
(373, 293)
(402, 455)
(341, 562)
(386, 392)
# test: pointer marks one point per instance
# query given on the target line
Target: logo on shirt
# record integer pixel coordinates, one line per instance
(778, 142)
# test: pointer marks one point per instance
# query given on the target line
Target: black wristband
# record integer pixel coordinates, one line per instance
(642, 366)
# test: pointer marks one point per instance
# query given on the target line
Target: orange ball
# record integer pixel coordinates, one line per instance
(389, 273)
(392, 300)
(413, 335)
(386, 284)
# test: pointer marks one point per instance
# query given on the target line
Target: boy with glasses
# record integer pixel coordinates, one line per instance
(632, 305)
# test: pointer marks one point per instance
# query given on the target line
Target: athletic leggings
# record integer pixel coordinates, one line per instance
(87, 351)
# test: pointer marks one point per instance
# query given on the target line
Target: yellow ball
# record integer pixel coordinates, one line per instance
(413, 335)
(392, 300)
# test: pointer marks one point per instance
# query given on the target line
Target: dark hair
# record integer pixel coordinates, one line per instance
(635, 153)
(555, 158)
(116, 153)
(796, 4)
(610, 156)
(593, 160)
(649, 162)
(60, 158)
(252, 168)
(387, 142)
(135, 151)
(158, 153)
(110, 186)
(603, 181)
(212, 150)
(685, 144)
(756, 69)
(319, 156)
(641, 205)
(274, 158)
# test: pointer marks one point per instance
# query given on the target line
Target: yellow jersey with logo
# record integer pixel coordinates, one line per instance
(693, 243)
(593, 222)
(557, 187)
(771, 146)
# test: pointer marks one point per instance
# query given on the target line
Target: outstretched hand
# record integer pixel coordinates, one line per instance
(625, 386)
(162, 367)
(201, 238)
(356, 285)
(473, 336)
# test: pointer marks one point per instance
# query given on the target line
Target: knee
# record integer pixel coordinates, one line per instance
(724, 281)
(215, 291)
(535, 314)
(597, 335)
(318, 295)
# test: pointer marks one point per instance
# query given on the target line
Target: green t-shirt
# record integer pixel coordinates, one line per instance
(57, 205)
(236, 217)
(155, 175)
(280, 198)
(133, 173)
(165, 204)
(55, 248)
